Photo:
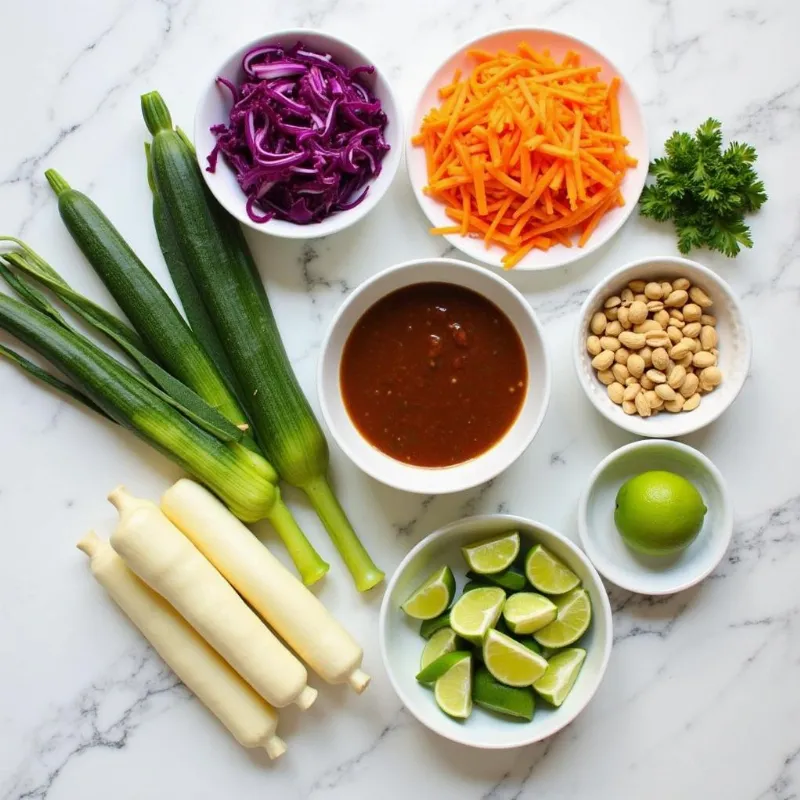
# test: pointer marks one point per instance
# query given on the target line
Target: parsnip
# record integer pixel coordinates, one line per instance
(288, 606)
(246, 715)
(172, 566)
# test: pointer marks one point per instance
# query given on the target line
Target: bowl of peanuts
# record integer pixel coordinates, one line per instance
(662, 347)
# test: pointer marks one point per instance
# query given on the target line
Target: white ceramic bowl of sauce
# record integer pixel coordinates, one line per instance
(501, 454)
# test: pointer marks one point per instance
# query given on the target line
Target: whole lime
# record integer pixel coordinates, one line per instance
(659, 512)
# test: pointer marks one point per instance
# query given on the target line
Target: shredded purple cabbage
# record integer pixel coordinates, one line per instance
(304, 137)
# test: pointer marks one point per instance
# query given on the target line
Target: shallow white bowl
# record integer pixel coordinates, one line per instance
(484, 467)
(652, 574)
(214, 106)
(632, 124)
(734, 347)
(401, 644)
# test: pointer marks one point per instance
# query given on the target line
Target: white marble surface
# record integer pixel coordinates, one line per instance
(702, 696)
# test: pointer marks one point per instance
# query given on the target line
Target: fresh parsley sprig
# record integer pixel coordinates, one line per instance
(704, 190)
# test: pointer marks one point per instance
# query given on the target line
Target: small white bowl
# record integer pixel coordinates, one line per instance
(401, 644)
(214, 106)
(734, 347)
(501, 455)
(654, 575)
(632, 125)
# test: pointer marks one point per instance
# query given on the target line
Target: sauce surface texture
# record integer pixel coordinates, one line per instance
(433, 374)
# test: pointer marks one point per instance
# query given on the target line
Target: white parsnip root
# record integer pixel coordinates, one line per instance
(285, 603)
(172, 566)
(246, 715)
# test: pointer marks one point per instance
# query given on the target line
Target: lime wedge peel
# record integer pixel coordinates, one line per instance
(559, 678)
(489, 693)
(442, 642)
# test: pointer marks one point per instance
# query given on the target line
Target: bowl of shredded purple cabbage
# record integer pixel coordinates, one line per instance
(298, 134)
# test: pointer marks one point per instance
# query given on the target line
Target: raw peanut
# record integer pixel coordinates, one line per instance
(662, 317)
(690, 385)
(660, 358)
(612, 313)
(657, 339)
(647, 354)
(670, 366)
(615, 392)
(635, 365)
(646, 383)
(692, 312)
(631, 340)
(640, 298)
(694, 344)
(681, 283)
(676, 376)
(620, 372)
(704, 359)
(674, 334)
(676, 323)
(677, 299)
(598, 323)
(647, 326)
(629, 407)
(665, 392)
(606, 377)
(631, 391)
(614, 328)
(612, 302)
(626, 295)
(637, 287)
(676, 314)
(604, 360)
(610, 343)
(666, 288)
(700, 297)
(708, 337)
(642, 406)
(692, 403)
(676, 404)
(630, 381)
(711, 377)
(692, 330)
(680, 349)
(622, 355)
(655, 305)
(653, 400)
(653, 291)
(656, 375)
(623, 318)
(593, 345)
(686, 361)
(708, 319)
(637, 313)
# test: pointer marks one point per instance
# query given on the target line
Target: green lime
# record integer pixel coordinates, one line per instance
(512, 701)
(560, 676)
(441, 643)
(574, 616)
(532, 644)
(526, 612)
(432, 597)
(430, 626)
(453, 690)
(477, 611)
(547, 573)
(548, 652)
(659, 513)
(512, 580)
(433, 671)
(492, 555)
(510, 662)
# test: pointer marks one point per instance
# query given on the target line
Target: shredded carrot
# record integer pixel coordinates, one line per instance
(526, 151)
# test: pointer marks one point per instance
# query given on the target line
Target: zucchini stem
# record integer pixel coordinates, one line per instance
(355, 556)
(155, 112)
(57, 183)
(308, 561)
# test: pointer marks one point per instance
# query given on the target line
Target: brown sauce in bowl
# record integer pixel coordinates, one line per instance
(433, 374)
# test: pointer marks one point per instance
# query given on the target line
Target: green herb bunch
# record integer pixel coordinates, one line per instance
(705, 191)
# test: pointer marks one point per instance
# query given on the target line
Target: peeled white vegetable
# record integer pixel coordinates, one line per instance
(172, 566)
(284, 602)
(246, 715)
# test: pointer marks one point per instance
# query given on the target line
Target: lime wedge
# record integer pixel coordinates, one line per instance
(574, 616)
(430, 626)
(438, 667)
(547, 652)
(441, 643)
(432, 598)
(510, 662)
(511, 580)
(492, 555)
(477, 611)
(512, 701)
(547, 573)
(560, 676)
(453, 690)
(526, 612)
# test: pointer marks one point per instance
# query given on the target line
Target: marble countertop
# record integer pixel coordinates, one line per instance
(702, 695)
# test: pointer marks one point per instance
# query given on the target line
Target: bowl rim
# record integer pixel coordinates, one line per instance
(571, 255)
(682, 424)
(342, 219)
(516, 521)
(726, 526)
(523, 442)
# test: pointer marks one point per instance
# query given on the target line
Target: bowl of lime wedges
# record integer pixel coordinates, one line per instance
(495, 631)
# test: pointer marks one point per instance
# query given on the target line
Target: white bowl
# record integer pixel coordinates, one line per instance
(401, 644)
(214, 106)
(734, 347)
(425, 480)
(653, 574)
(632, 124)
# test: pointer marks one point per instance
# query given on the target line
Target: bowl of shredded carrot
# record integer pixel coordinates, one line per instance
(529, 149)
